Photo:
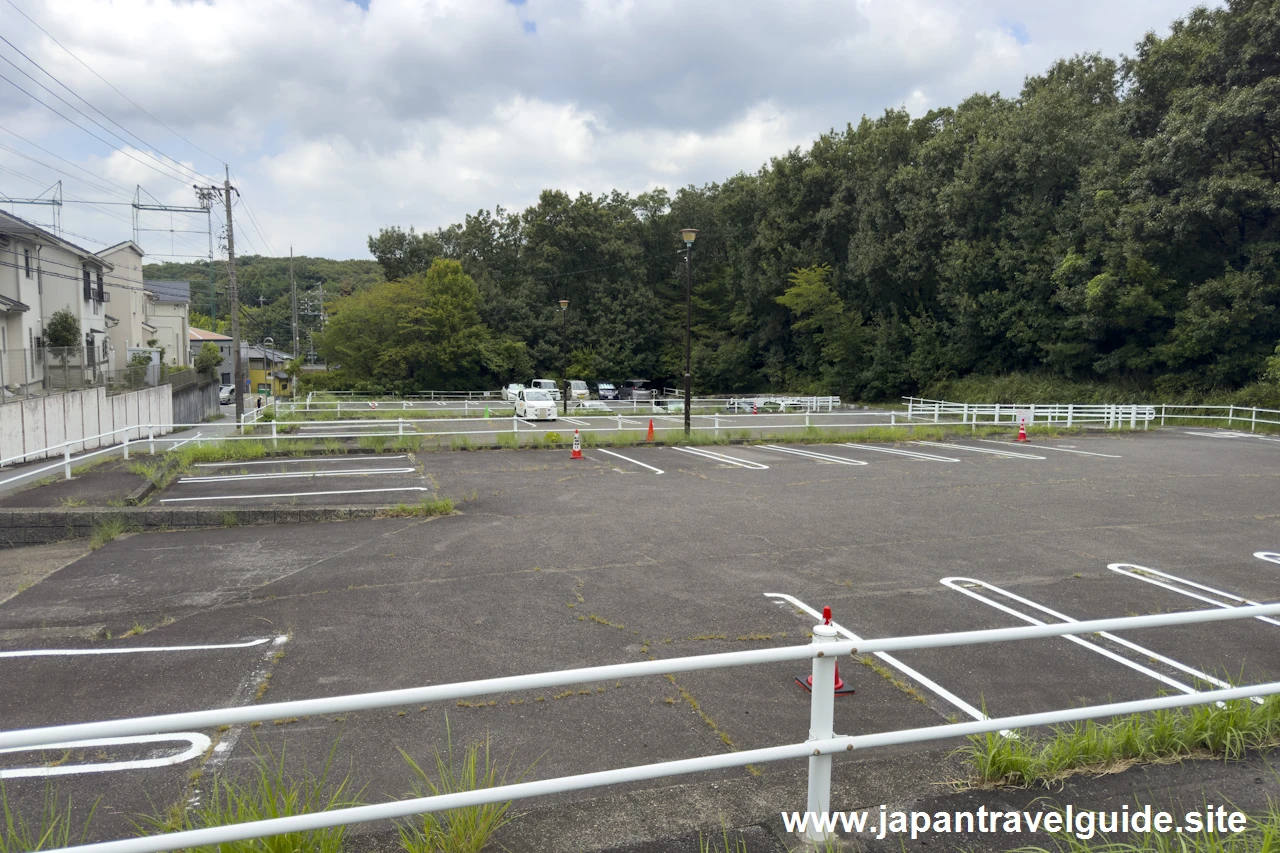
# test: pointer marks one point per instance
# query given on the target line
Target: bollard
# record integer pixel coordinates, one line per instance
(151, 439)
(126, 447)
(822, 704)
(66, 460)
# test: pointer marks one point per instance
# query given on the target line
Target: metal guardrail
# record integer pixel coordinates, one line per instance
(821, 745)
(1111, 415)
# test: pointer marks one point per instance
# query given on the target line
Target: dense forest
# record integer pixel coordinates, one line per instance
(1115, 223)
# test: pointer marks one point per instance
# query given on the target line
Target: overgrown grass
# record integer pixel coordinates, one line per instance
(375, 443)
(1206, 731)
(463, 830)
(51, 829)
(723, 845)
(108, 529)
(270, 791)
(1261, 835)
(426, 508)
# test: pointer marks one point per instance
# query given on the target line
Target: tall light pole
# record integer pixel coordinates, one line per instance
(564, 347)
(688, 235)
(269, 345)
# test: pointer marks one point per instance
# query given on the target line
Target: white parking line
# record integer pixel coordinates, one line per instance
(911, 454)
(574, 421)
(197, 745)
(1178, 585)
(821, 457)
(937, 689)
(294, 494)
(189, 440)
(668, 418)
(529, 423)
(956, 584)
(354, 472)
(720, 457)
(1269, 556)
(1059, 449)
(298, 461)
(37, 653)
(629, 459)
(1007, 453)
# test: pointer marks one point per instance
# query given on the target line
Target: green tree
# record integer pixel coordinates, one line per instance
(62, 332)
(208, 359)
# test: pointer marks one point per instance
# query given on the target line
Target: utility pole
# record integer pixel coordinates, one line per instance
(293, 288)
(237, 368)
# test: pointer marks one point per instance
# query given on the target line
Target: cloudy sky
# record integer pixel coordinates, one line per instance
(341, 116)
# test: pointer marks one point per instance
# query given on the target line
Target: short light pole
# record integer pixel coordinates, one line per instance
(564, 347)
(688, 235)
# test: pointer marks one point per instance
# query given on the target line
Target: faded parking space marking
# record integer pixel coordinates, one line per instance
(629, 459)
(910, 454)
(198, 744)
(352, 472)
(300, 461)
(1006, 453)
(1173, 583)
(294, 494)
(809, 454)
(721, 457)
(1059, 449)
(34, 653)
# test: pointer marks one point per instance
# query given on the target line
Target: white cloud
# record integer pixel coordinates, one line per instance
(339, 121)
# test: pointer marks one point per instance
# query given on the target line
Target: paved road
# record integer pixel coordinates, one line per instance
(556, 563)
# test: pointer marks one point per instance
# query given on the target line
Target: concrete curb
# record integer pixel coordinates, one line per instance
(45, 525)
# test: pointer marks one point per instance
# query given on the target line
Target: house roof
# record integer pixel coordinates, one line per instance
(127, 244)
(257, 351)
(168, 291)
(19, 227)
(205, 335)
(7, 304)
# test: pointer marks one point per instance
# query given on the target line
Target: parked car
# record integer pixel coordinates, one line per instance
(591, 406)
(548, 385)
(606, 391)
(635, 389)
(578, 390)
(512, 390)
(535, 404)
(227, 395)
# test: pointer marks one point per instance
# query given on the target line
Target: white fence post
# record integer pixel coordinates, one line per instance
(936, 408)
(822, 709)
(717, 423)
(964, 418)
(1162, 414)
(1071, 410)
(1253, 420)
(399, 426)
(151, 439)
(126, 446)
(66, 460)
(911, 403)
(806, 419)
(1133, 416)
(515, 425)
(274, 443)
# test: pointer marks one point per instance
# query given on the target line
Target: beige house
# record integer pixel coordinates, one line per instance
(126, 302)
(199, 337)
(168, 315)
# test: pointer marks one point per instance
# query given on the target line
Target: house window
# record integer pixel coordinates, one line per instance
(88, 284)
(26, 261)
(101, 293)
(104, 349)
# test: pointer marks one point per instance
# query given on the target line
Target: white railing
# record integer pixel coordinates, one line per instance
(1110, 415)
(821, 745)
(656, 404)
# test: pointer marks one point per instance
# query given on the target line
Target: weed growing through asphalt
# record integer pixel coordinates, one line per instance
(1204, 731)
(51, 830)
(271, 790)
(462, 830)
(229, 519)
(72, 502)
(425, 508)
(723, 845)
(106, 530)
(376, 443)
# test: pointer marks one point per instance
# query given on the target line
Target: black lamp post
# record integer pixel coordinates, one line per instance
(564, 346)
(688, 235)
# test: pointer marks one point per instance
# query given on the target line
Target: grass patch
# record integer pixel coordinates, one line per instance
(50, 830)
(1204, 731)
(463, 830)
(108, 529)
(269, 791)
(375, 443)
(426, 508)
(508, 440)
(89, 466)
(722, 845)
(72, 502)
(229, 519)
(460, 442)
(1261, 835)
(407, 444)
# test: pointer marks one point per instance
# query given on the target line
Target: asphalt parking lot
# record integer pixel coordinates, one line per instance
(357, 480)
(650, 551)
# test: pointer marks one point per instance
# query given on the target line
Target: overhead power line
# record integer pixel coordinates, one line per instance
(35, 24)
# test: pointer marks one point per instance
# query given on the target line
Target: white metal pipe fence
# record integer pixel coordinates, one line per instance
(1111, 415)
(822, 740)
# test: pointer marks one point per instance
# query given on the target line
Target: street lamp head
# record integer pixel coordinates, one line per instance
(564, 304)
(688, 235)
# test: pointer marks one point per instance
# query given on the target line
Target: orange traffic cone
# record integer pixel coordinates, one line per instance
(840, 688)
(577, 446)
(650, 438)
(1022, 430)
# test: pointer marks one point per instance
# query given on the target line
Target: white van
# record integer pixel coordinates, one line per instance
(548, 385)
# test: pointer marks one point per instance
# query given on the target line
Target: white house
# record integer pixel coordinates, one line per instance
(126, 302)
(168, 315)
(40, 274)
(199, 337)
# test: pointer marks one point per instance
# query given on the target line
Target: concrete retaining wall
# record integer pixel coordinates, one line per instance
(194, 403)
(40, 526)
(30, 426)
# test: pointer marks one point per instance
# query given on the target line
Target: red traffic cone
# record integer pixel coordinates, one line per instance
(839, 681)
(577, 446)
(1022, 430)
(372, 404)
(840, 688)
(650, 438)
(754, 410)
